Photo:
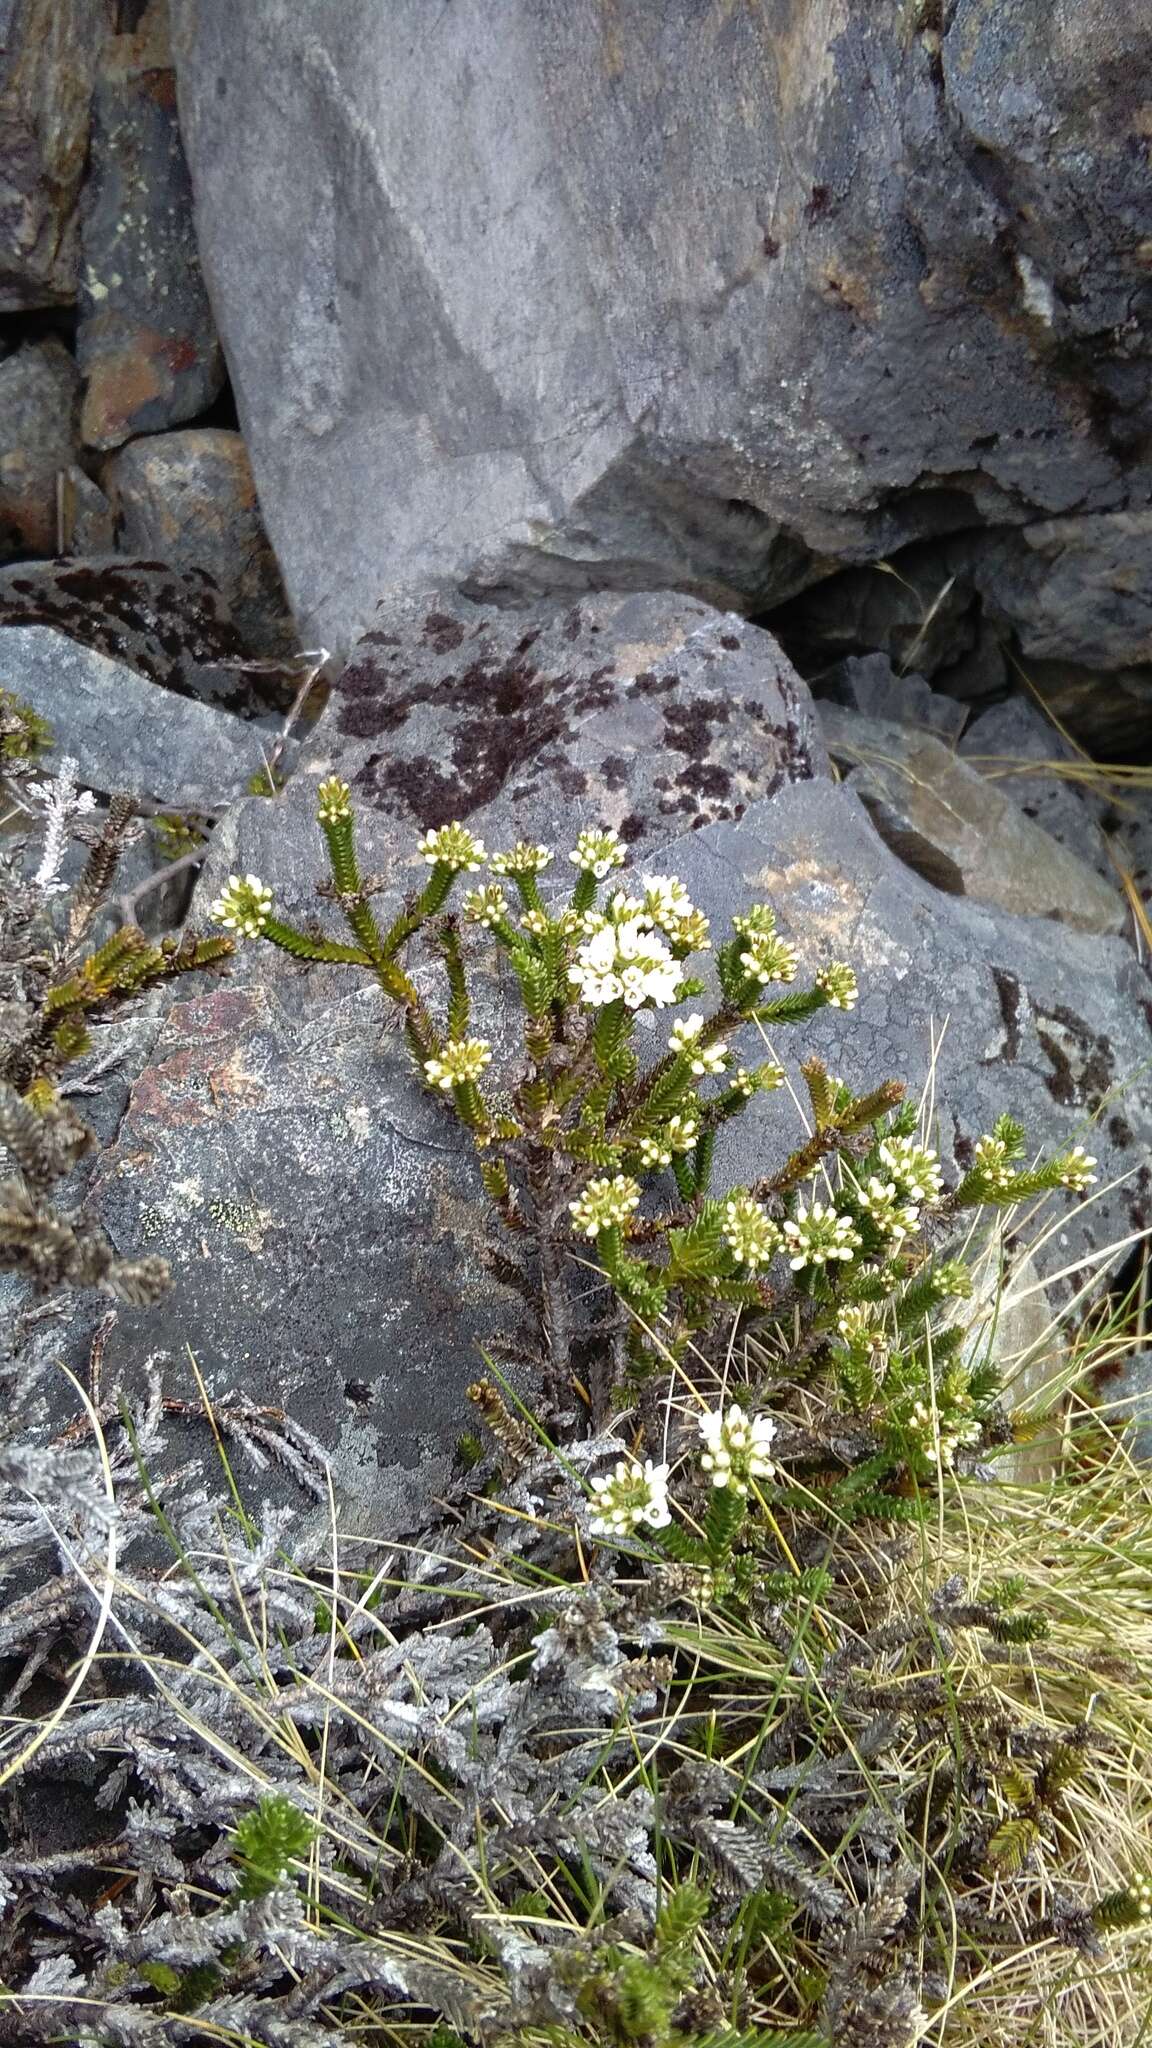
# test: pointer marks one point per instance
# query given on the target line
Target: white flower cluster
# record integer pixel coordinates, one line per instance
(915, 1168)
(667, 903)
(524, 858)
(736, 1446)
(624, 959)
(630, 1494)
(766, 957)
(749, 1232)
(936, 1440)
(486, 906)
(333, 800)
(855, 1325)
(1076, 1170)
(604, 1204)
(817, 1235)
(461, 1059)
(597, 853)
(453, 846)
(886, 1209)
(837, 984)
(243, 906)
(702, 1059)
(992, 1162)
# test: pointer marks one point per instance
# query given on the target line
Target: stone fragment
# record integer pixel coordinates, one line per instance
(124, 733)
(868, 683)
(570, 296)
(146, 341)
(88, 527)
(48, 56)
(960, 830)
(188, 498)
(1104, 820)
(39, 392)
(169, 624)
(647, 712)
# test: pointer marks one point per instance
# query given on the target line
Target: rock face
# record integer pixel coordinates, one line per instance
(650, 713)
(189, 499)
(48, 53)
(961, 831)
(328, 1246)
(146, 341)
(124, 734)
(169, 624)
(568, 295)
(39, 392)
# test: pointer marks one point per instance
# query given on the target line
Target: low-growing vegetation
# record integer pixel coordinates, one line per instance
(747, 1686)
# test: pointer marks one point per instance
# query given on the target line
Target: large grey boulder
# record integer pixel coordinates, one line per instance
(329, 1245)
(566, 295)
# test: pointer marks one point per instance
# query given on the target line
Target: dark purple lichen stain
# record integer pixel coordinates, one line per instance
(510, 721)
(164, 623)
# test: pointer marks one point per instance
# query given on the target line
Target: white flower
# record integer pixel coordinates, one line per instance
(667, 903)
(854, 1323)
(243, 906)
(453, 846)
(814, 1236)
(626, 960)
(936, 1440)
(333, 800)
(768, 958)
(629, 1495)
(655, 1150)
(992, 1162)
(522, 859)
(487, 906)
(681, 1132)
(914, 1168)
(597, 853)
(894, 1218)
(750, 1232)
(703, 1059)
(736, 1446)
(604, 1204)
(837, 984)
(462, 1059)
(1076, 1169)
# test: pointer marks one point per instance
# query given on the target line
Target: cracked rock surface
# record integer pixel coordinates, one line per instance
(571, 295)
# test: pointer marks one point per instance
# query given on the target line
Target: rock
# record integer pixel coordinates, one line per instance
(189, 499)
(39, 392)
(647, 712)
(146, 341)
(869, 683)
(169, 624)
(1108, 711)
(1076, 593)
(88, 525)
(563, 297)
(48, 53)
(124, 734)
(1103, 822)
(960, 831)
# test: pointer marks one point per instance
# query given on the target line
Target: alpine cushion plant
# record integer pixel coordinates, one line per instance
(834, 1256)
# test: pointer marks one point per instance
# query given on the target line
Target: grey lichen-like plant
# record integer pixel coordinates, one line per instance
(569, 1147)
